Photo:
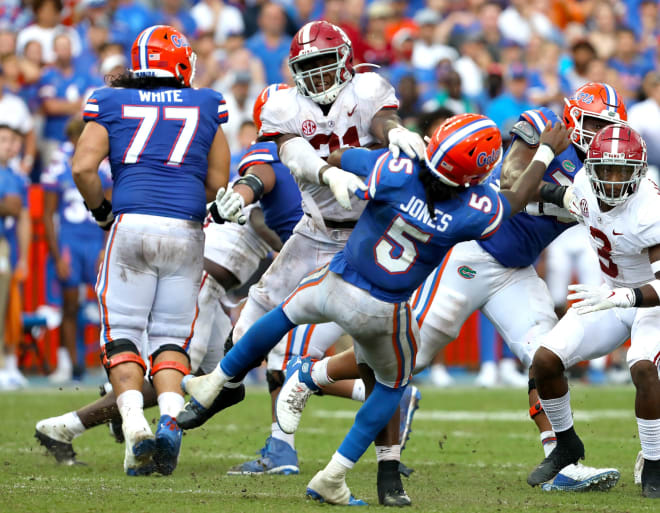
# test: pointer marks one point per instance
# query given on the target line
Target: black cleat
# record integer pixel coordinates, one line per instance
(569, 450)
(390, 487)
(116, 431)
(193, 415)
(651, 479)
(62, 451)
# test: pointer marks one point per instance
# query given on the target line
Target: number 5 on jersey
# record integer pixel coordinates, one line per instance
(402, 236)
(148, 116)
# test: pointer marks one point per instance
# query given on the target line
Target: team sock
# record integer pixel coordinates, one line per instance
(649, 437)
(358, 393)
(559, 412)
(549, 441)
(288, 439)
(320, 373)
(170, 403)
(388, 453)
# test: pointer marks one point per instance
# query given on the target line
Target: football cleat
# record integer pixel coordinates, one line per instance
(580, 478)
(295, 392)
(324, 489)
(202, 394)
(390, 487)
(276, 457)
(651, 479)
(567, 451)
(115, 424)
(168, 445)
(140, 446)
(57, 440)
(407, 407)
(226, 398)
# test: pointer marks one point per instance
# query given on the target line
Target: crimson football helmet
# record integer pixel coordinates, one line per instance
(162, 51)
(313, 42)
(616, 163)
(592, 100)
(464, 150)
(261, 99)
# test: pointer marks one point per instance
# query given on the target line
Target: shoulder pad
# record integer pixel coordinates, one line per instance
(526, 132)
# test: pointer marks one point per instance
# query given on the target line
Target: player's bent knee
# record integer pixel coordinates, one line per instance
(169, 364)
(644, 374)
(117, 352)
(546, 365)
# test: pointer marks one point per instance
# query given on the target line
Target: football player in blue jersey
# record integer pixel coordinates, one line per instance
(416, 212)
(75, 247)
(493, 274)
(168, 155)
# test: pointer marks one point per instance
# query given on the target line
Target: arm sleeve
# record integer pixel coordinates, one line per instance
(259, 153)
(99, 108)
(360, 161)
(223, 113)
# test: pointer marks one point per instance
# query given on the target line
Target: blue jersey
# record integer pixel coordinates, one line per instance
(22, 183)
(55, 84)
(159, 145)
(521, 239)
(74, 219)
(396, 244)
(281, 206)
(9, 186)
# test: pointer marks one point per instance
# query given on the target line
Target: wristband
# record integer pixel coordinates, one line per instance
(101, 212)
(322, 171)
(254, 183)
(552, 193)
(638, 296)
(544, 154)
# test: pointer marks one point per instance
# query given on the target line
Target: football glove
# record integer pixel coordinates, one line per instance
(228, 206)
(402, 139)
(343, 185)
(571, 204)
(591, 298)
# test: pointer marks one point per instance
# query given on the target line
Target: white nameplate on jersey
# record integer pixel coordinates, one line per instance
(170, 96)
(417, 208)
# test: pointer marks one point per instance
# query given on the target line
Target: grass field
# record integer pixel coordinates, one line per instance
(471, 450)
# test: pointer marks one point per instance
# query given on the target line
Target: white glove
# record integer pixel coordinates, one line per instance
(591, 298)
(230, 205)
(404, 140)
(343, 185)
(571, 204)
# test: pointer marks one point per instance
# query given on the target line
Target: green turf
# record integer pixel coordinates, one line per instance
(463, 463)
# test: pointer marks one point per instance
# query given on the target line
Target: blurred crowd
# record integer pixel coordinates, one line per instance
(444, 57)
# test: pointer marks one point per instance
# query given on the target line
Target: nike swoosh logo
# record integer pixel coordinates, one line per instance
(611, 294)
(351, 112)
(614, 233)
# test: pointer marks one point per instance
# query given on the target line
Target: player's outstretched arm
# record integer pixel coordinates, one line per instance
(554, 140)
(92, 147)
(386, 127)
(591, 298)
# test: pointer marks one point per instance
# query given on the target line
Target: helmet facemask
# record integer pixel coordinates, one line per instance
(306, 79)
(613, 178)
(581, 136)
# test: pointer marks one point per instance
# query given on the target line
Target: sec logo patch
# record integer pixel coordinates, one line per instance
(584, 207)
(466, 272)
(308, 127)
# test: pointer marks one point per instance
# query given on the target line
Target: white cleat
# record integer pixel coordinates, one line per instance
(140, 445)
(61, 375)
(509, 374)
(639, 466)
(57, 438)
(296, 390)
(322, 488)
(440, 377)
(581, 478)
(201, 390)
(487, 377)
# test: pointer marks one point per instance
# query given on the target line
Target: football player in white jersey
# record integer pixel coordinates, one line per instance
(331, 107)
(621, 209)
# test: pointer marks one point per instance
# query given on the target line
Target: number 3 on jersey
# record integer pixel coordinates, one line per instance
(148, 116)
(398, 237)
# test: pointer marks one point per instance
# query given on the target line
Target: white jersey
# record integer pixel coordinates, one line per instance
(621, 237)
(348, 123)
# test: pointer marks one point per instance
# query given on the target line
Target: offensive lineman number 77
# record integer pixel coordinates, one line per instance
(148, 116)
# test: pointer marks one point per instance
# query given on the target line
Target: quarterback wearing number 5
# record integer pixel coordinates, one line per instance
(168, 155)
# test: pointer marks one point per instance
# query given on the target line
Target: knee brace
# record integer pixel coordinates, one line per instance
(183, 369)
(111, 357)
(275, 380)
